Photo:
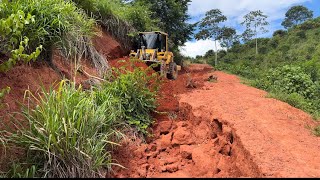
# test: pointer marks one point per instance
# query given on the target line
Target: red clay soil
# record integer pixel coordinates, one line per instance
(222, 129)
(107, 45)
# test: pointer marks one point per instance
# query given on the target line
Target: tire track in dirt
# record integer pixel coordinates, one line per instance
(222, 129)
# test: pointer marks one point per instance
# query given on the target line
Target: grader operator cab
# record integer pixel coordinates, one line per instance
(154, 49)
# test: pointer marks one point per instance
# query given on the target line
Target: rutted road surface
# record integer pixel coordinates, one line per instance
(222, 129)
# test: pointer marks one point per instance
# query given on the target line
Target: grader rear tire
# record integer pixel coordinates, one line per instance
(173, 71)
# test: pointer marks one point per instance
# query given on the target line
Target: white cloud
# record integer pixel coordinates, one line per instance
(192, 49)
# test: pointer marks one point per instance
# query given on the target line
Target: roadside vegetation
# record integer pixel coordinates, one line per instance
(72, 132)
(286, 65)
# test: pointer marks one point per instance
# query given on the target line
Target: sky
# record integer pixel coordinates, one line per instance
(235, 10)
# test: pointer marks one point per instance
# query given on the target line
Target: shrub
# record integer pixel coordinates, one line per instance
(291, 79)
(135, 93)
(274, 43)
(310, 24)
(301, 34)
(280, 33)
(112, 14)
(294, 99)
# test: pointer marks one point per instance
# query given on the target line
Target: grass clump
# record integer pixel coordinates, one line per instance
(316, 131)
(68, 135)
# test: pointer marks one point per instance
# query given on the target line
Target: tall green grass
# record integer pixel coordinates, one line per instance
(68, 133)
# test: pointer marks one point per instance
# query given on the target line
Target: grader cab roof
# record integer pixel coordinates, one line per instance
(153, 32)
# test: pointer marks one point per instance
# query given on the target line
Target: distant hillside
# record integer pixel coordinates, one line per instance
(298, 46)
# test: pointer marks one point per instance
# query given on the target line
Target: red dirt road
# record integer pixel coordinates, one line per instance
(222, 129)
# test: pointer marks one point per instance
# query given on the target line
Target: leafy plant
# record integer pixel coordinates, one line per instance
(18, 171)
(316, 131)
(10, 33)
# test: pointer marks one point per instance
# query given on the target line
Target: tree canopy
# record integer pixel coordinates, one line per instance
(296, 15)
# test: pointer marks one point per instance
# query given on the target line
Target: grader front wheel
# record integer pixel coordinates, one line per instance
(173, 71)
(163, 69)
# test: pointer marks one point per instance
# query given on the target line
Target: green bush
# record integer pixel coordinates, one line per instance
(310, 24)
(112, 14)
(71, 132)
(294, 99)
(291, 79)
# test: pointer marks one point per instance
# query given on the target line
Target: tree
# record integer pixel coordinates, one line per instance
(255, 23)
(210, 29)
(229, 37)
(209, 54)
(296, 15)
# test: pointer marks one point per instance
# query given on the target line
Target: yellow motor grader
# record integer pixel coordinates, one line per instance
(154, 49)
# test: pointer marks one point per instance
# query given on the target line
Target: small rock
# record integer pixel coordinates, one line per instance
(164, 141)
(163, 169)
(152, 147)
(182, 136)
(142, 172)
(212, 78)
(182, 124)
(186, 151)
(172, 168)
(165, 127)
(226, 150)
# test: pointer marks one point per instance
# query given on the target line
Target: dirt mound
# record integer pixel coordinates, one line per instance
(199, 68)
(107, 45)
(128, 64)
